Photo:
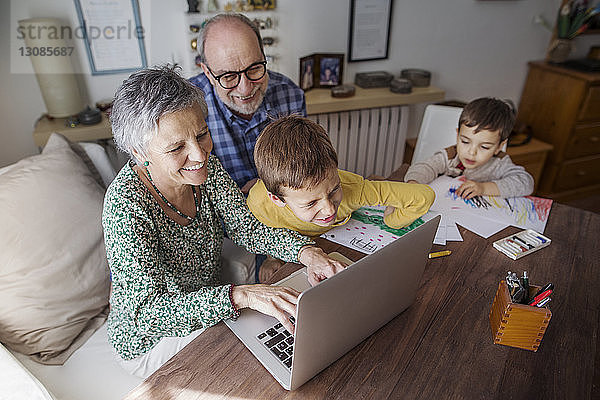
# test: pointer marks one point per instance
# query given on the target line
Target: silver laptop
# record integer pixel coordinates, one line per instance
(340, 312)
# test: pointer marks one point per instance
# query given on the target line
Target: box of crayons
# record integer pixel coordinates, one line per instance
(518, 325)
(522, 243)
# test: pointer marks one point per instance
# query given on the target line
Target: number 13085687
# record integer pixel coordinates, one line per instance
(46, 51)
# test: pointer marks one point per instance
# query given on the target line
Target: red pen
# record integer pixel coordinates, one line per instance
(540, 297)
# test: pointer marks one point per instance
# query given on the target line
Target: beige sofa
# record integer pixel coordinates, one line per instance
(54, 277)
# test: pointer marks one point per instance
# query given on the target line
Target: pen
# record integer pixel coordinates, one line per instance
(543, 302)
(440, 254)
(540, 297)
(548, 286)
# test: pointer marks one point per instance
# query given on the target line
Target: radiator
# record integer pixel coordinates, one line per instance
(369, 141)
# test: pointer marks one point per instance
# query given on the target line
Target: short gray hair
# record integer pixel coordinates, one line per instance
(143, 98)
(229, 17)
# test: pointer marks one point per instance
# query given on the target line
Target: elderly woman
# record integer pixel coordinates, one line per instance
(164, 219)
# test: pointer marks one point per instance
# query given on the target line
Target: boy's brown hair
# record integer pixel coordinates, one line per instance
(489, 114)
(293, 152)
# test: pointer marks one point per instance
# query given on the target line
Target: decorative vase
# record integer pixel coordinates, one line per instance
(559, 50)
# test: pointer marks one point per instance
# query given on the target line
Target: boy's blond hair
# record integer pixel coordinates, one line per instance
(293, 152)
(488, 114)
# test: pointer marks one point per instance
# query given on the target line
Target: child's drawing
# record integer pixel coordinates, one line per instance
(524, 212)
(366, 231)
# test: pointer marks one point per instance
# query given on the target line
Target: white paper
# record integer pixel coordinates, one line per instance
(452, 233)
(367, 233)
(487, 215)
(481, 226)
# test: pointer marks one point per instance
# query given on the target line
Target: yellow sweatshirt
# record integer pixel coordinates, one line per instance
(410, 200)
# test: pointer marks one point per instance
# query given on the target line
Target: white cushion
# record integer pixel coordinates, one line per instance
(91, 373)
(16, 382)
(98, 155)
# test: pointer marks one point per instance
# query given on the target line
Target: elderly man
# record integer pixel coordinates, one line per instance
(241, 94)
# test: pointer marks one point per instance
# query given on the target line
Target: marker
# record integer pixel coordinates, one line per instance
(525, 282)
(507, 249)
(522, 241)
(516, 244)
(440, 254)
(535, 235)
(531, 237)
(541, 238)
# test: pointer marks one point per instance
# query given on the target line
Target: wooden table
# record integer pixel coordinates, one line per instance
(441, 347)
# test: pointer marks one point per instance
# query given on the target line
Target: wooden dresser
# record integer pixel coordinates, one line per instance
(563, 108)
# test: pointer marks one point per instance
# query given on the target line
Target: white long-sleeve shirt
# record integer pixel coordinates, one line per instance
(512, 180)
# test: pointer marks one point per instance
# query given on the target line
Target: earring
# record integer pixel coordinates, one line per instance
(146, 163)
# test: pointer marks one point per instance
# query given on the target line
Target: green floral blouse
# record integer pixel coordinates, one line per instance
(165, 276)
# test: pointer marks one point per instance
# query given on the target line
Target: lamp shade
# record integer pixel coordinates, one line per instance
(54, 72)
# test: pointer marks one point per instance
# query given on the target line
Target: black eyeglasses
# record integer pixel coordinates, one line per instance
(230, 79)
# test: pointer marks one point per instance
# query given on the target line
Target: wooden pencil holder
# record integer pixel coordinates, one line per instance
(518, 325)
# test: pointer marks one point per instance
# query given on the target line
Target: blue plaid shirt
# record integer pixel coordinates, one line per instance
(234, 137)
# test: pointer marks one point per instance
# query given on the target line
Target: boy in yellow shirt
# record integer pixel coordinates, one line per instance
(301, 188)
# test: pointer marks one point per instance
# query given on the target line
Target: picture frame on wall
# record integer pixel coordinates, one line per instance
(112, 53)
(370, 25)
(321, 70)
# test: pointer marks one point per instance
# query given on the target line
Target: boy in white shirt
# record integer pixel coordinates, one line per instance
(483, 129)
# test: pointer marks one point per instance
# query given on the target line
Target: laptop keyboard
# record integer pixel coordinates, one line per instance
(280, 342)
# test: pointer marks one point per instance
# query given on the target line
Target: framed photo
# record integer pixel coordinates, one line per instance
(329, 69)
(321, 70)
(369, 36)
(261, 4)
(307, 72)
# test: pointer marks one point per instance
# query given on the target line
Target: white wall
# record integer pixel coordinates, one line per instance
(473, 48)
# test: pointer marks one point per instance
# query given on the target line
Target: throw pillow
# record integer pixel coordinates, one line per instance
(54, 278)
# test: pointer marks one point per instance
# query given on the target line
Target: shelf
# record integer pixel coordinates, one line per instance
(319, 101)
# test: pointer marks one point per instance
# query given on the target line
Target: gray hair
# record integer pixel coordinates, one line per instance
(228, 17)
(143, 98)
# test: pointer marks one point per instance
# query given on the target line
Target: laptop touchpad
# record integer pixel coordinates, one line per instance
(298, 281)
